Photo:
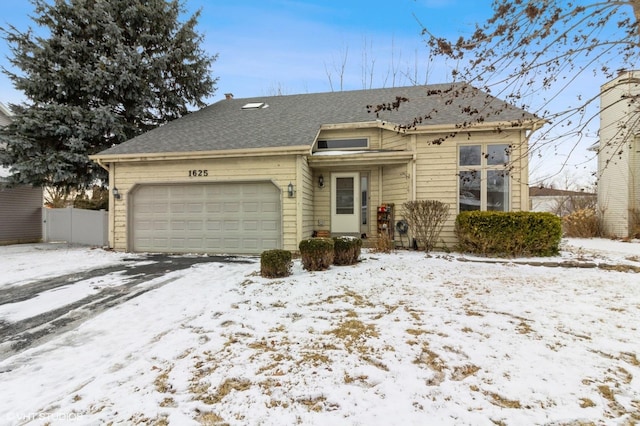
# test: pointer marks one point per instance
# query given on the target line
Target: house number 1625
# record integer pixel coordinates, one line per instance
(198, 173)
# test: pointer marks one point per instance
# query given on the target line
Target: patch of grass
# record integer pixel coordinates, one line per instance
(209, 418)
(524, 328)
(586, 403)
(501, 401)
(433, 362)
(313, 404)
(348, 379)
(223, 390)
(463, 371)
(315, 358)
(162, 382)
(353, 330)
(168, 402)
(630, 358)
(606, 392)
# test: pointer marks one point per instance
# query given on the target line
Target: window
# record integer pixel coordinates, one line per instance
(484, 179)
(343, 143)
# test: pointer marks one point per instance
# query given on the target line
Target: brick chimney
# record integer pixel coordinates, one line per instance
(228, 96)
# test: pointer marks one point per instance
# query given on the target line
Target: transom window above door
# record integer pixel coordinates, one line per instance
(327, 144)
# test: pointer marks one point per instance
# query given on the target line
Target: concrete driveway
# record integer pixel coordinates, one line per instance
(136, 276)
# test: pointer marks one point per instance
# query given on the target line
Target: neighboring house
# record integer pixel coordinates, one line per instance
(20, 206)
(245, 175)
(619, 155)
(559, 201)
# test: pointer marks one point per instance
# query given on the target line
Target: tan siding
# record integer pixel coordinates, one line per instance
(437, 168)
(394, 140)
(281, 170)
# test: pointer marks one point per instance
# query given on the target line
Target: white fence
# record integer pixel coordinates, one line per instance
(75, 226)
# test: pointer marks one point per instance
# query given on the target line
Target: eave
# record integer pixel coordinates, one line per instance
(360, 158)
(494, 126)
(201, 155)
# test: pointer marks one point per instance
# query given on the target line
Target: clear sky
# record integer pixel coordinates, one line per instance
(298, 46)
(269, 47)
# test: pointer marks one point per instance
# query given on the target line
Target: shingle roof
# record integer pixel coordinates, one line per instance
(295, 120)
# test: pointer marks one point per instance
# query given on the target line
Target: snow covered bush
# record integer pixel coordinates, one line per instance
(346, 250)
(275, 263)
(316, 253)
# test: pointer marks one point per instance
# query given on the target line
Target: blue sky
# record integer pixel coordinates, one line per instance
(269, 47)
(292, 46)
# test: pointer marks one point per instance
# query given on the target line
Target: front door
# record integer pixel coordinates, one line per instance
(345, 203)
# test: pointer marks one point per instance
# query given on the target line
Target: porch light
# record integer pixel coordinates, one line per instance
(321, 181)
(116, 193)
(290, 190)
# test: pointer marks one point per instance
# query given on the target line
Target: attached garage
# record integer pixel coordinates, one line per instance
(233, 218)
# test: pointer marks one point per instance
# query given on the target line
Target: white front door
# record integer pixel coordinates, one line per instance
(345, 203)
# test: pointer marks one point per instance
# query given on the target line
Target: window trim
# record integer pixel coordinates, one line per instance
(345, 148)
(483, 168)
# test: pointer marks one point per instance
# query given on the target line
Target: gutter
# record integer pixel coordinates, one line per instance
(200, 155)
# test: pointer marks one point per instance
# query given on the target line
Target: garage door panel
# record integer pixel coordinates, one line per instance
(221, 217)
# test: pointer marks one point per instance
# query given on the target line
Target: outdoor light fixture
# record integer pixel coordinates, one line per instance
(321, 181)
(290, 190)
(116, 193)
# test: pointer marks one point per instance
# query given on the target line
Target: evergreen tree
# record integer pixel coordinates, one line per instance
(106, 71)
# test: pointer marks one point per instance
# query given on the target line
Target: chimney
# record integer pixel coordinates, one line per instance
(228, 96)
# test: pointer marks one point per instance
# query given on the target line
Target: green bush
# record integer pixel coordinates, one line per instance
(316, 253)
(275, 263)
(509, 233)
(346, 250)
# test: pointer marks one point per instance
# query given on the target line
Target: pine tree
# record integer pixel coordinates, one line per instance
(106, 71)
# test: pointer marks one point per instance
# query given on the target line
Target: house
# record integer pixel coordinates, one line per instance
(559, 201)
(619, 156)
(20, 206)
(245, 175)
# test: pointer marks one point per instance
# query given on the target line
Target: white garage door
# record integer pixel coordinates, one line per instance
(235, 218)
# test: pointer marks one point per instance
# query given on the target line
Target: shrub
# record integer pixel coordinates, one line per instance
(275, 263)
(583, 223)
(317, 253)
(509, 233)
(384, 243)
(346, 250)
(426, 219)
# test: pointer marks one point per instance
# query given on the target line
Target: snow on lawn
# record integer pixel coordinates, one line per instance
(399, 339)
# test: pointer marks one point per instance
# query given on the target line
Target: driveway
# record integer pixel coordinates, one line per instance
(134, 276)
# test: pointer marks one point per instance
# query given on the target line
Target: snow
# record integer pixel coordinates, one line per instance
(399, 339)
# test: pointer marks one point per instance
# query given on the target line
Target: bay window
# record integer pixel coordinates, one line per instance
(483, 177)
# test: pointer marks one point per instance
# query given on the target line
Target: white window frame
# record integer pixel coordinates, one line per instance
(344, 140)
(483, 168)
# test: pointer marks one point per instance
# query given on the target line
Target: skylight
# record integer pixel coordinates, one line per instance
(255, 105)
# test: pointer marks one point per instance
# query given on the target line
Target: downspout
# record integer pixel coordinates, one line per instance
(112, 215)
(414, 178)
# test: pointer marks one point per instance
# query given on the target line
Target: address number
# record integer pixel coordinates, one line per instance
(198, 173)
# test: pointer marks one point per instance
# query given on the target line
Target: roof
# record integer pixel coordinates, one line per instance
(295, 120)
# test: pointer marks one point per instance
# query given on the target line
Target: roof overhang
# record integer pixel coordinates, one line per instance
(359, 158)
(200, 155)
(494, 126)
